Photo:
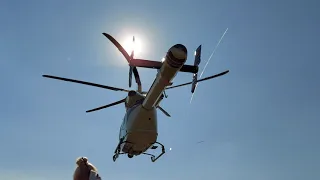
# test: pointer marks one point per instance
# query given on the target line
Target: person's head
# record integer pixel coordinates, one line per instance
(81, 161)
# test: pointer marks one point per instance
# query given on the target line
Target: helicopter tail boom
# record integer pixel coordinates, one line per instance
(174, 60)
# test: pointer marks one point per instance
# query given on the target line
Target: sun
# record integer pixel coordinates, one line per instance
(129, 45)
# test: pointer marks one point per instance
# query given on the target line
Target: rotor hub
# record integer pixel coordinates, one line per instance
(132, 93)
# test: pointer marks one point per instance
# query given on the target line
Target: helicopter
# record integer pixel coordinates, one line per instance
(139, 129)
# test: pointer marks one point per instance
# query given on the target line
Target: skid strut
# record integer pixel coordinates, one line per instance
(153, 157)
(117, 151)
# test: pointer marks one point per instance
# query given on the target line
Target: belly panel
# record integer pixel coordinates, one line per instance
(141, 130)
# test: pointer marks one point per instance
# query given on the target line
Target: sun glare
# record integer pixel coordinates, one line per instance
(129, 45)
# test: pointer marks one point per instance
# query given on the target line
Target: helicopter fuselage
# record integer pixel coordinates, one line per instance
(139, 130)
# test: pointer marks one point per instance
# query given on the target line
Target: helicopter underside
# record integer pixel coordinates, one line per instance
(138, 142)
(128, 148)
(138, 132)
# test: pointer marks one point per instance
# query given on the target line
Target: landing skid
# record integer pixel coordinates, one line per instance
(153, 157)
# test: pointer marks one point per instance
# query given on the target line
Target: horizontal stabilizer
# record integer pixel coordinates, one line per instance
(157, 65)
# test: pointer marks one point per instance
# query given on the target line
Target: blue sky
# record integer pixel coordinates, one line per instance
(260, 121)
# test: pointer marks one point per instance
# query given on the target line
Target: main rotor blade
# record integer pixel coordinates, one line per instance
(130, 75)
(86, 83)
(126, 55)
(117, 44)
(106, 106)
(136, 76)
(203, 79)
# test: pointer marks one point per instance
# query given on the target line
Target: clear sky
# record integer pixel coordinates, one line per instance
(260, 121)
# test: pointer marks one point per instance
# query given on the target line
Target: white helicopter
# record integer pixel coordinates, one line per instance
(139, 130)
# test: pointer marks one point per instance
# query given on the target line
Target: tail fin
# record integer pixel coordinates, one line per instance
(197, 60)
(194, 85)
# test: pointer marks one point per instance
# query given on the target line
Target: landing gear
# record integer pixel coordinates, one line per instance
(115, 157)
(153, 157)
(117, 151)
